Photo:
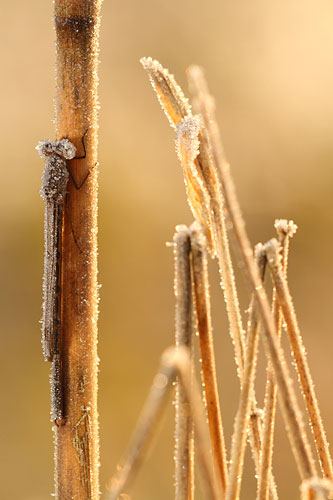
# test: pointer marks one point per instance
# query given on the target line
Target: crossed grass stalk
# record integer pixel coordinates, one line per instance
(213, 201)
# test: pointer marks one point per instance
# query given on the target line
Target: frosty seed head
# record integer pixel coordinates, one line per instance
(63, 148)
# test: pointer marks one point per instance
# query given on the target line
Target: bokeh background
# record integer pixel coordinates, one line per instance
(270, 67)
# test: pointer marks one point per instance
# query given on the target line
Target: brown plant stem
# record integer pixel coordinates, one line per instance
(247, 392)
(297, 346)
(203, 188)
(184, 442)
(77, 441)
(174, 361)
(206, 163)
(292, 415)
(204, 323)
(285, 229)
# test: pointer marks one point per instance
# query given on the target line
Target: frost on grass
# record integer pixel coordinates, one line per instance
(171, 97)
(183, 455)
(187, 148)
(285, 227)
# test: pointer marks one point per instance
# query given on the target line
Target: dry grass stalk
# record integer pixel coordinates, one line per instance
(184, 443)
(203, 189)
(174, 361)
(247, 393)
(285, 229)
(205, 199)
(317, 489)
(204, 324)
(77, 442)
(292, 415)
(297, 346)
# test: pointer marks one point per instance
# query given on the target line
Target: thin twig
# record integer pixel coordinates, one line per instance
(204, 322)
(174, 361)
(285, 229)
(184, 443)
(292, 415)
(77, 441)
(298, 349)
(247, 391)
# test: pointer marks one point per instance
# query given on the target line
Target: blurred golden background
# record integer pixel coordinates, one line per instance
(270, 67)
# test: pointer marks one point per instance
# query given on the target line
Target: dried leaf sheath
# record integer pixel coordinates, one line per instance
(170, 95)
(187, 148)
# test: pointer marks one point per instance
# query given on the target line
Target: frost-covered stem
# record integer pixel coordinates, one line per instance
(206, 163)
(204, 324)
(290, 409)
(77, 441)
(203, 189)
(246, 396)
(269, 420)
(174, 361)
(316, 489)
(227, 277)
(184, 443)
(285, 230)
(298, 349)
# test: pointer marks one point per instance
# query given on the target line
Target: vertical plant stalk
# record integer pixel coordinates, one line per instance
(285, 229)
(184, 438)
(204, 323)
(77, 441)
(247, 391)
(174, 361)
(290, 409)
(299, 353)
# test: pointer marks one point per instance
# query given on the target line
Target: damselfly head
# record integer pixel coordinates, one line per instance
(63, 148)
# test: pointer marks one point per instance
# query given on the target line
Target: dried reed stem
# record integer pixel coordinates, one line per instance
(291, 412)
(174, 361)
(317, 489)
(206, 202)
(225, 264)
(247, 392)
(285, 229)
(184, 443)
(203, 189)
(77, 442)
(298, 349)
(204, 323)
